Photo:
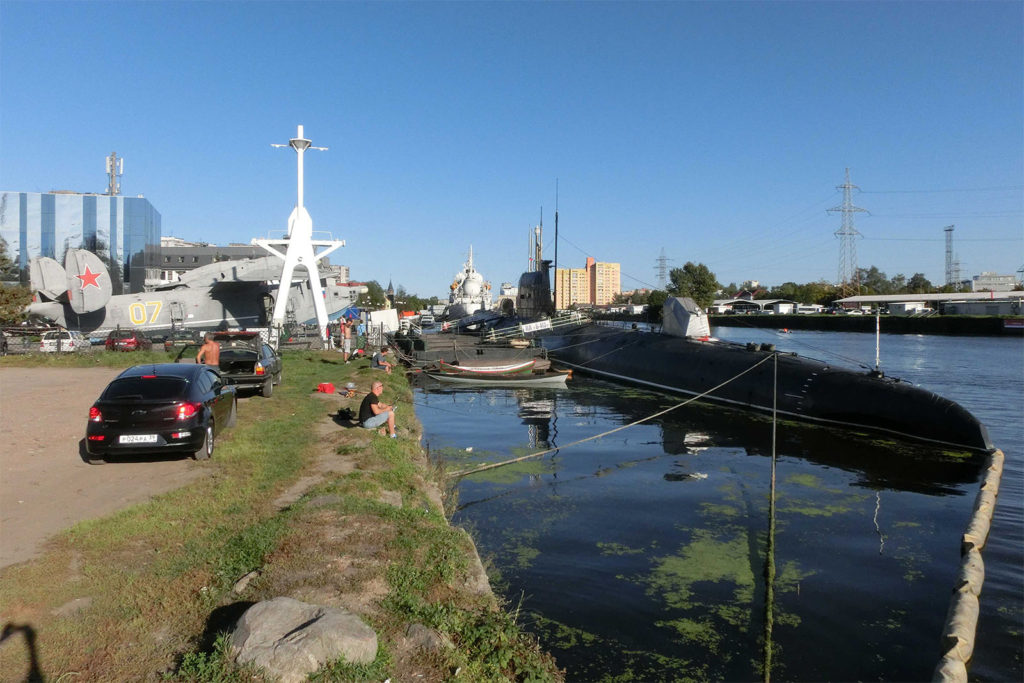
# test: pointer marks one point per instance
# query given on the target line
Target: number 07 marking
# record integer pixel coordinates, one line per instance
(141, 313)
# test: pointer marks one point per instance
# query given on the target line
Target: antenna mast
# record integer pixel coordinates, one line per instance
(115, 169)
(299, 249)
(849, 283)
(554, 287)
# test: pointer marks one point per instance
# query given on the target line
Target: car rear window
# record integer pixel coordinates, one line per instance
(155, 388)
(52, 335)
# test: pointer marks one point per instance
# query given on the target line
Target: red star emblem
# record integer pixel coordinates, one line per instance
(89, 278)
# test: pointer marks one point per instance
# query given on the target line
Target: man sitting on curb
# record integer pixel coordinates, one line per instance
(373, 413)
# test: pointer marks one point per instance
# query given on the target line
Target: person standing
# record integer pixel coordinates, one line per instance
(346, 338)
(209, 352)
(374, 413)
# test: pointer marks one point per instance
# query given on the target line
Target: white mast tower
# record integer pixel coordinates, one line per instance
(299, 250)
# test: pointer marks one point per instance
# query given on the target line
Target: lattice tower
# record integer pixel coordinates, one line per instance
(849, 283)
(952, 263)
(663, 270)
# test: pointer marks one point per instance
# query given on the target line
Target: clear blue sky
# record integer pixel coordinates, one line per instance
(717, 131)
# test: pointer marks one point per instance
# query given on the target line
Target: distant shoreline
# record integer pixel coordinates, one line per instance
(953, 325)
(988, 326)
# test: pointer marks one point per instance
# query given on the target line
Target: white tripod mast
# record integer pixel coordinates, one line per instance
(299, 250)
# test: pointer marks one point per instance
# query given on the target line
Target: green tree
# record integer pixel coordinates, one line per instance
(9, 271)
(695, 281)
(13, 300)
(873, 281)
(919, 284)
(374, 296)
(655, 300)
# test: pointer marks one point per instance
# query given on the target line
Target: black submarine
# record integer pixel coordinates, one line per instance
(682, 359)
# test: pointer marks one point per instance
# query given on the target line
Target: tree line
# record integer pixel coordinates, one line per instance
(696, 281)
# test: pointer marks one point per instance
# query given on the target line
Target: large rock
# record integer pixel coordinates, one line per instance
(292, 639)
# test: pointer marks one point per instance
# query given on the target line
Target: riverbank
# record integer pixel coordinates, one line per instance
(296, 502)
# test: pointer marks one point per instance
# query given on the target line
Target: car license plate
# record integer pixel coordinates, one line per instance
(137, 438)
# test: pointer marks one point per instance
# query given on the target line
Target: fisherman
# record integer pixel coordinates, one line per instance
(373, 413)
(379, 361)
(209, 352)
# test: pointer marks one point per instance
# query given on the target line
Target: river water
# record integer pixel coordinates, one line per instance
(640, 555)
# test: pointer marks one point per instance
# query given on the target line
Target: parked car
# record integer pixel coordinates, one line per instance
(63, 340)
(179, 338)
(128, 340)
(161, 408)
(246, 361)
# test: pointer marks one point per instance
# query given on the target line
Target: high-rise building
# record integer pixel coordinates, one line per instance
(605, 281)
(571, 287)
(595, 284)
(123, 231)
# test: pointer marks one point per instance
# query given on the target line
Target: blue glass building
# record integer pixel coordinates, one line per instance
(123, 231)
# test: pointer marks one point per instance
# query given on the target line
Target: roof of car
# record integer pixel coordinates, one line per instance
(240, 333)
(183, 370)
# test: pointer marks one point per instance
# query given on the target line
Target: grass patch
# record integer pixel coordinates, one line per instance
(156, 575)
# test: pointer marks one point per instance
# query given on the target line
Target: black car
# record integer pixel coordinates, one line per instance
(246, 361)
(161, 408)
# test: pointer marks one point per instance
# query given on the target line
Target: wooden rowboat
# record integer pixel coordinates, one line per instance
(551, 378)
(513, 369)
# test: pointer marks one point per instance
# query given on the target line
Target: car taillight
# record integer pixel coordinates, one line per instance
(259, 368)
(95, 415)
(187, 410)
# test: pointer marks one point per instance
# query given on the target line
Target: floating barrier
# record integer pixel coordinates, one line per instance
(962, 618)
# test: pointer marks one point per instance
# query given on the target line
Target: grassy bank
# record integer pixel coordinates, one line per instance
(305, 509)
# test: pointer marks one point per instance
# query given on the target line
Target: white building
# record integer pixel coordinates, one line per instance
(990, 281)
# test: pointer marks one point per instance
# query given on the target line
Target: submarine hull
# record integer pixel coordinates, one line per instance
(745, 377)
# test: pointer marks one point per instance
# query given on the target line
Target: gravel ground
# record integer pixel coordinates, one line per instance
(45, 485)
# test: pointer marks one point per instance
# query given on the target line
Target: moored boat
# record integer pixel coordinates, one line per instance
(548, 378)
(518, 368)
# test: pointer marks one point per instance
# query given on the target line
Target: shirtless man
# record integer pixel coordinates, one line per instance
(346, 334)
(209, 352)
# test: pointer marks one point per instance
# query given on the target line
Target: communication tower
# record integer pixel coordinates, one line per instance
(849, 283)
(952, 263)
(115, 169)
(663, 270)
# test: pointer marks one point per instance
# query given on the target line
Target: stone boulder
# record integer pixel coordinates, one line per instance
(290, 639)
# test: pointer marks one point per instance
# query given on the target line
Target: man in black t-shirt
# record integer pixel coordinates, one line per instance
(373, 413)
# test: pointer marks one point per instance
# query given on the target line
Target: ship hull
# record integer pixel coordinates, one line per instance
(745, 377)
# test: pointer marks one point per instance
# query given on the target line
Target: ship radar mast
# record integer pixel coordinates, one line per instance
(299, 249)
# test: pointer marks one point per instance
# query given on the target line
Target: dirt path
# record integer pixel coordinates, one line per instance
(45, 486)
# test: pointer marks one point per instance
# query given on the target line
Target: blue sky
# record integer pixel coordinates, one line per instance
(715, 131)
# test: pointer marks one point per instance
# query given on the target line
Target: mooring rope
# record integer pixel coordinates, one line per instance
(521, 458)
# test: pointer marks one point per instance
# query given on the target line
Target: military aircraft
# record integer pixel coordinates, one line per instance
(226, 294)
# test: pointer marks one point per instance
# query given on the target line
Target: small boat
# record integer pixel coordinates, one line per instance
(513, 369)
(549, 378)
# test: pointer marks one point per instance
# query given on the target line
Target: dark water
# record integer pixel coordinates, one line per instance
(640, 556)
